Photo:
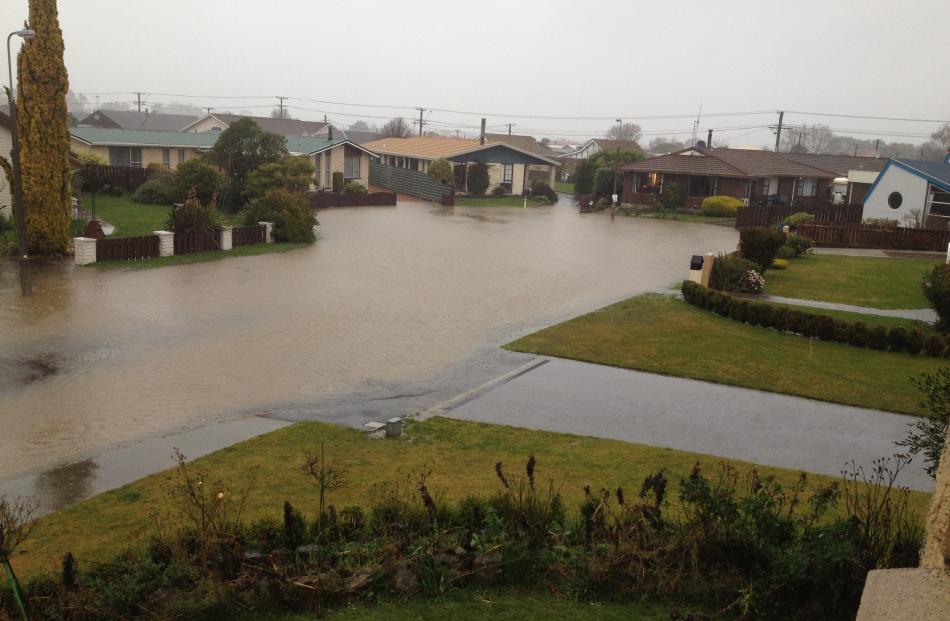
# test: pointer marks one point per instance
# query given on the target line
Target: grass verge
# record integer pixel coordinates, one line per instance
(859, 281)
(497, 201)
(199, 257)
(688, 217)
(564, 186)
(461, 456)
(661, 334)
(130, 219)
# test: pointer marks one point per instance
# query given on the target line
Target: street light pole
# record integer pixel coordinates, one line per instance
(616, 166)
(26, 286)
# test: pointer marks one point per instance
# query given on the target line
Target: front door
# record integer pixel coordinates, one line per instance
(460, 175)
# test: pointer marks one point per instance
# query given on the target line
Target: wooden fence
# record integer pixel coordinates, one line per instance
(248, 235)
(186, 243)
(127, 248)
(322, 200)
(774, 214)
(858, 236)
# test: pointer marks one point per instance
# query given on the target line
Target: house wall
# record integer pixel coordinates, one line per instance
(913, 189)
(150, 155)
(337, 157)
(6, 192)
(207, 124)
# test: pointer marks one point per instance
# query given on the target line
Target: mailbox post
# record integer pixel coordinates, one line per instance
(700, 268)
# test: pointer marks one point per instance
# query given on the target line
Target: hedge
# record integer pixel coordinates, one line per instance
(822, 327)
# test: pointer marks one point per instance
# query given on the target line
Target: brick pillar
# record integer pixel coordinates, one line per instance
(166, 243)
(226, 238)
(85, 248)
(269, 233)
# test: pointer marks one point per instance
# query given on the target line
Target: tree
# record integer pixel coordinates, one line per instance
(928, 436)
(292, 173)
(195, 175)
(44, 133)
(396, 128)
(584, 177)
(441, 170)
(478, 178)
(240, 149)
(359, 126)
(666, 145)
(629, 132)
(942, 136)
(806, 139)
(280, 113)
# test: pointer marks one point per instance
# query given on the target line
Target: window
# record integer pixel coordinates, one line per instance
(352, 168)
(894, 200)
(700, 186)
(507, 173)
(647, 183)
(167, 158)
(130, 157)
(181, 155)
(327, 179)
(807, 186)
(316, 168)
(773, 186)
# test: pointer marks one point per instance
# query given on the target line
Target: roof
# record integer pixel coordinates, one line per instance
(838, 164)
(435, 147)
(762, 163)
(722, 162)
(132, 119)
(682, 163)
(284, 127)
(107, 136)
(526, 143)
(359, 137)
(311, 145)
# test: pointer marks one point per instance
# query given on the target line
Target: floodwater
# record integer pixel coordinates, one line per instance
(389, 298)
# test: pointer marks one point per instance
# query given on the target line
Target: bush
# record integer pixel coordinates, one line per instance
(540, 188)
(584, 177)
(338, 181)
(937, 290)
(354, 187)
(934, 345)
(897, 339)
(477, 178)
(727, 272)
(604, 182)
(779, 264)
(798, 243)
(877, 338)
(724, 206)
(442, 171)
(499, 190)
(198, 175)
(915, 342)
(289, 211)
(760, 245)
(293, 172)
(670, 198)
(859, 334)
(786, 252)
(155, 191)
(193, 216)
(795, 219)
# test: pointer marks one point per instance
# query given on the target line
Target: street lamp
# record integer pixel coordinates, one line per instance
(617, 163)
(26, 287)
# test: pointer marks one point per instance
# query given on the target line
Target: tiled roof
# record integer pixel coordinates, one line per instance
(838, 164)
(141, 137)
(310, 145)
(762, 163)
(683, 164)
(526, 143)
(132, 119)
(359, 137)
(284, 127)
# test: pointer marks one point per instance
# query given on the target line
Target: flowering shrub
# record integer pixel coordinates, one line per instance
(752, 282)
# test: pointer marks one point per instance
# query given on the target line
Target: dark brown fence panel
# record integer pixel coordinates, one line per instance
(248, 235)
(323, 200)
(774, 214)
(127, 248)
(196, 242)
(844, 236)
(97, 176)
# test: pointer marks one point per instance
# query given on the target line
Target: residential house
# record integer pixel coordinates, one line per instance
(356, 136)
(6, 146)
(331, 154)
(918, 190)
(219, 121)
(512, 167)
(750, 174)
(139, 148)
(861, 172)
(571, 159)
(133, 119)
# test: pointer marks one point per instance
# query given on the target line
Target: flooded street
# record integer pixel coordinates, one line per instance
(388, 298)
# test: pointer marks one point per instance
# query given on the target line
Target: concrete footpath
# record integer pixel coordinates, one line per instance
(920, 314)
(690, 415)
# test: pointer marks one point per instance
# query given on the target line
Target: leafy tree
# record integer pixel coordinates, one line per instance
(194, 216)
(928, 436)
(198, 175)
(292, 173)
(604, 181)
(478, 178)
(584, 177)
(88, 157)
(666, 145)
(359, 126)
(42, 123)
(289, 211)
(396, 128)
(240, 149)
(625, 131)
(441, 170)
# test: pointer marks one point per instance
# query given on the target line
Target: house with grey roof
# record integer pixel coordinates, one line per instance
(138, 148)
(133, 119)
(915, 190)
(219, 121)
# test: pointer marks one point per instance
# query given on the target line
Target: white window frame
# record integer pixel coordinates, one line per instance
(508, 173)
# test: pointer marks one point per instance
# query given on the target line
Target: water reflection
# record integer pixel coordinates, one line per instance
(64, 485)
(388, 298)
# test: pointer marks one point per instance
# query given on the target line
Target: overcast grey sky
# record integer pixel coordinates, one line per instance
(555, 58)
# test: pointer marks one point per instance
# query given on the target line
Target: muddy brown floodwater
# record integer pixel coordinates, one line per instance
(389, 298)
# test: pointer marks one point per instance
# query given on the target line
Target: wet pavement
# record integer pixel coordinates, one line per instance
(920, 314)
(691, 415)
(392, 311)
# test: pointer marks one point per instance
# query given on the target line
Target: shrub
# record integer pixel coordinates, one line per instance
(194, 174)
(915, 342)
(928, 435)
(785, 252)
(760, 245)
(293, 172)
(798, 243)
(540, 188)
(878, 338)
(779, 264)
(354, 187)
(825, 327)
(751, 282)
(897, 339)
(937, 290)
(499, 190)
(724, 206)
(727, 272)
(859, 334)
(290, 212)
(154, 191)
(442, 171)
(844, 332)
(934, 345)
(670, 198)
(193, 216)
(477, 178)
(338, 181)
(584, 177)
(795, 219)
(604, 182)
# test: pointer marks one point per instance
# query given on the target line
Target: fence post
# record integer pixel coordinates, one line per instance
(166, 243)
(85, 250)
(268, 231)
(226, 243)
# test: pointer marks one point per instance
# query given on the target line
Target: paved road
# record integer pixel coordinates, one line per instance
(736, 423)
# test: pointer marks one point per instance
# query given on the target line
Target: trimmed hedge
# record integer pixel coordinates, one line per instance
(822, 327)
(724, 206)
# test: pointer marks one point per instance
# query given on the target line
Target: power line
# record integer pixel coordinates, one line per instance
(869, 117)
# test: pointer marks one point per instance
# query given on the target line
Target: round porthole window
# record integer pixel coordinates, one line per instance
(894, 200)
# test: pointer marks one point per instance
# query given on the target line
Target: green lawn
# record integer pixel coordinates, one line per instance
(661, 334)
(860, 281)
(497, 201)
(564, 186)
(129, 218)
(461, 456)
(688, 217)
(198, 257)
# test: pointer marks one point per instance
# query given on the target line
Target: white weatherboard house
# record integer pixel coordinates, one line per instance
(907, 185)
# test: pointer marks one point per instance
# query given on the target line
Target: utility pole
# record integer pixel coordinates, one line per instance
(709, 139)
(509, 129)
(421, 122)
(778, 132)
(481, 136)
(281, 104)
(209, 110)
(138, 98)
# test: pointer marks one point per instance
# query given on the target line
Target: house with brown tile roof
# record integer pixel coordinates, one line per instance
(510, 166)
(749, 174)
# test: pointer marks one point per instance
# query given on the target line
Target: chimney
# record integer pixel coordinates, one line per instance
(709, 139)
(877, 148)
(329, 132)
(481, 137)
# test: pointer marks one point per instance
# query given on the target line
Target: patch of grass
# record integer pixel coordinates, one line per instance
(497, 201)
(687, 217)
(661, 334)
(564, 186)
(130, 219)
(869, 320)
(198, 257)
(460, 454)
(859, 281)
